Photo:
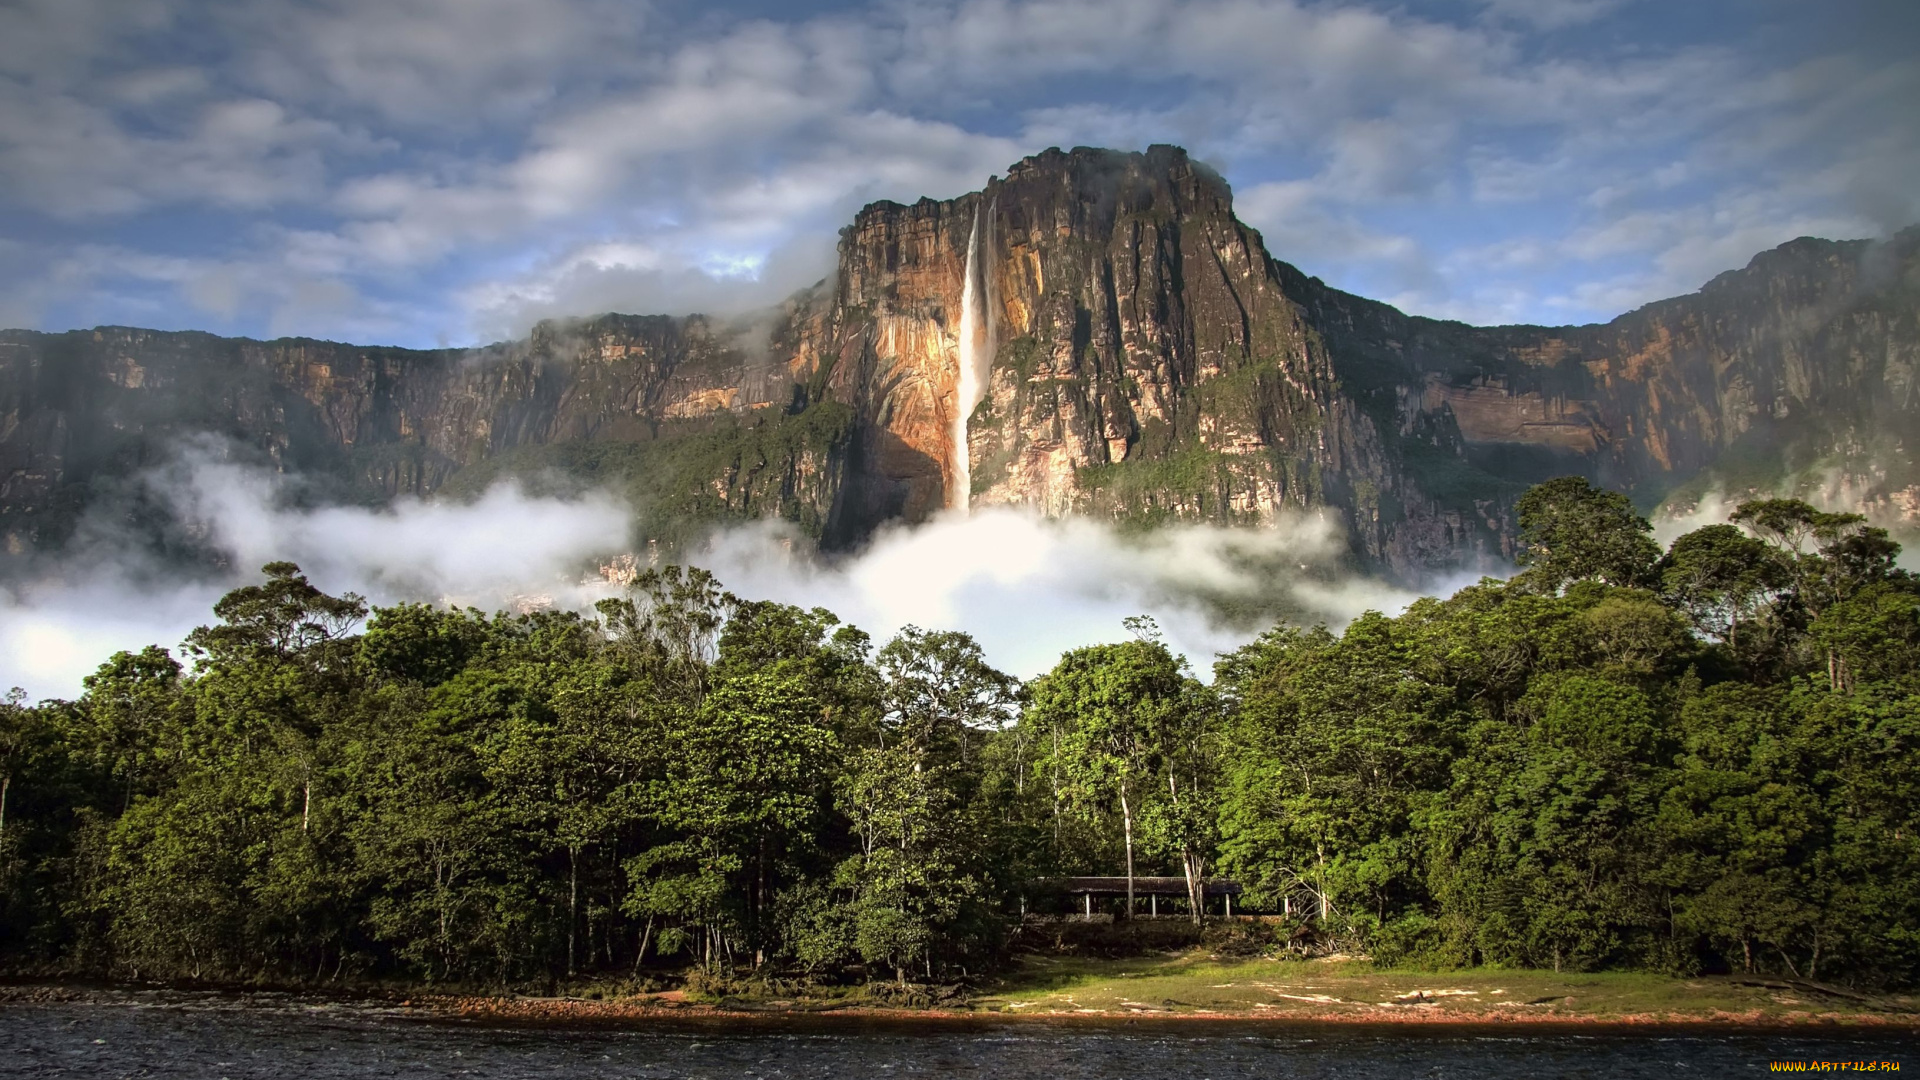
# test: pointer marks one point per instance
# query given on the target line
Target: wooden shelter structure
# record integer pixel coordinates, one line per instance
(1153, 888)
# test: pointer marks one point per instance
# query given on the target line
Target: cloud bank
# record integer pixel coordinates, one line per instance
(1030, 587)
(1027, 587)
(112, 593)
(445, 171)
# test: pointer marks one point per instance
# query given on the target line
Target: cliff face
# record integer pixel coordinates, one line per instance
(1146, 361)
(1150, 359)
(79, 411)
(1094, 333)
(1796, 373)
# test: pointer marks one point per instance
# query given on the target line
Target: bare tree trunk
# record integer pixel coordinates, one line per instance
(1788, 960)
(306, 807)
(760, 904)
(1190, 862)
(5, 783)
(573, 903)
(440, 900)
(645, 937)
(1325, 909)
(1126, 818)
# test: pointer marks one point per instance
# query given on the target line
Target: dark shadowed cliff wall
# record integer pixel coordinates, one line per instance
(1148, 360)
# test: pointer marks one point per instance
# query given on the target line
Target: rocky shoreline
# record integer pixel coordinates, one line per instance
(674, 1007)
(574, 1010)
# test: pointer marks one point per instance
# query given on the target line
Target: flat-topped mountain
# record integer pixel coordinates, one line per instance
(1094, 333)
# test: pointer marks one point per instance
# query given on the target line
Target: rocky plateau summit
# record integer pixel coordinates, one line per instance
(1094, 333)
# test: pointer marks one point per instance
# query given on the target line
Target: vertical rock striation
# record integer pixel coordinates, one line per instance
(1151, 360)
(81, 411)
(1094, 333)
(1147, 360)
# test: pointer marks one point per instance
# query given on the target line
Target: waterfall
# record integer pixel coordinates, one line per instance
(975, 359)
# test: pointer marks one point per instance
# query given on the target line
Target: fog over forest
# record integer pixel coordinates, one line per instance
(1685, 760)
(1027, 587)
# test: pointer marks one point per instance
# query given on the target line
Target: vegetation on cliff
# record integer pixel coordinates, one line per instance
(1152, 361)
(1701, 759)
(697, 473)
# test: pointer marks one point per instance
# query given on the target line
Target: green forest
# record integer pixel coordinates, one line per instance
(1694, 760)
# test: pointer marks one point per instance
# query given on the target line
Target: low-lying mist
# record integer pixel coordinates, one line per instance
(1026, 586)
(1829, 491)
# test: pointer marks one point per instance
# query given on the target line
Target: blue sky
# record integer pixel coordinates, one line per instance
(425, 172)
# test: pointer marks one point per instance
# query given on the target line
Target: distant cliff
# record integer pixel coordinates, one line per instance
(1149, 360)
(1137, 352)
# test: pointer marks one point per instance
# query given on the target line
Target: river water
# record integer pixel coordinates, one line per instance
(215, 1038)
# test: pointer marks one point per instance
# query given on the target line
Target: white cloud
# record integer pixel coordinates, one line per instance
(504, 548)
(1030, 587)
(71, 158)
(285, 296)
(413, 155)
(1553, 14)
(630, 277)
(53, 43)
(1379, 160)
(413, 63)
(1027, 587)
(1676, 251)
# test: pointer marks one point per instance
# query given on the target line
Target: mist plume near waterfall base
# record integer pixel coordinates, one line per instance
(1028, 587)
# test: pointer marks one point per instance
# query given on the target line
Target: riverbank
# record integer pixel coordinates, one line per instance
(1312, 991)
(1341, 990)
(1184, 987)
(165, 1035)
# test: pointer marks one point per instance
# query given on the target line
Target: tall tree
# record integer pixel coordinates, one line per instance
(1108, 708)
(1573, 531)
(940, 692)
(1720, 577)
(669, 626)
(1339, 743)
(745, 781)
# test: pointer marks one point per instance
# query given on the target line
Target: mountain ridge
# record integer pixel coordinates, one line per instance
(1143, 357)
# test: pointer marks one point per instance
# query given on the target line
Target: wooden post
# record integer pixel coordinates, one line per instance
(1088, 897)
(1153, 905)
(1229, 897)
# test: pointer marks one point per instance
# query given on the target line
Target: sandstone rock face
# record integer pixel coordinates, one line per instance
(1146, 358)
(79, 410)
(1794, 373)
(1142, 356)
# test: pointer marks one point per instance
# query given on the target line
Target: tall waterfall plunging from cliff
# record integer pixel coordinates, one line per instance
(974, 361)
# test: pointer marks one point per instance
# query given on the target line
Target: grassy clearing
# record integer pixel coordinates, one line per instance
(1195, 983)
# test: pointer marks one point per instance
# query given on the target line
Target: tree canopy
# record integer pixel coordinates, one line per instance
(1696, 759)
